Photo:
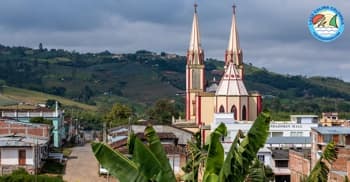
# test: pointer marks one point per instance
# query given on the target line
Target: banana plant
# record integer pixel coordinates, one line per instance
(320, 171)
(148, 162)
(236, 166)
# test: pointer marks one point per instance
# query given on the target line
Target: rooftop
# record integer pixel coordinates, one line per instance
(332, 130)
(289, 140)
(15, 141)
(280, 154)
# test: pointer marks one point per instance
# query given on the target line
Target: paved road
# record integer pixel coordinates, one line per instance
(82, 166)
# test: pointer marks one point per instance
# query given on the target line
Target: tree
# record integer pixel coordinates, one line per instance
(86, 93)
(40, 120)
(41, 46)
(163, 111)
(119, 114)
(51, 103)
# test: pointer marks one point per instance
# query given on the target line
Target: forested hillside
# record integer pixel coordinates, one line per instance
(141, 78)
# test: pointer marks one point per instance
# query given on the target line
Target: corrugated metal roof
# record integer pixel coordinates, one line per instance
(332, 130)
(20, 141)
(289, 140)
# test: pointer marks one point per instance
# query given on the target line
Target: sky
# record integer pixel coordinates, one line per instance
(273, 33)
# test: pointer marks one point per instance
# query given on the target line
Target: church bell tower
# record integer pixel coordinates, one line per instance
(195, 80)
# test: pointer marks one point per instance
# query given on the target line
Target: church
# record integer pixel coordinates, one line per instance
(230, 97)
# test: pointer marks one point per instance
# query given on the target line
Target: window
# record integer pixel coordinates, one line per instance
(281, 163)
(296, 133)
(244, 113)
(196, 79)
(222, 109)
(261, 158)
(327, 138)
(347, 139)
(193, 107)
(277, 134)
(234, 111)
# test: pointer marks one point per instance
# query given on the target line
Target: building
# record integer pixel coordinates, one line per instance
(173, 139)
(332, 119)
(292, 128)
(299, 164)
(24, 145)
(22, 152)
(230, 95)
(12, 127)
(284, 136)
(341, 137)
(57, 117)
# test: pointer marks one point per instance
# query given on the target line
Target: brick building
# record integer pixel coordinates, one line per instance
(299, 164)
(10, 127)
(56, 116)
(24, 145)
(341, 137)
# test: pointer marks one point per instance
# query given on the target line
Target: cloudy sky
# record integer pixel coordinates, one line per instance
(273, 33)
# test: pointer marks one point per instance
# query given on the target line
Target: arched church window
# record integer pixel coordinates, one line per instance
(222, 109)
(234, 111)
(244, 113)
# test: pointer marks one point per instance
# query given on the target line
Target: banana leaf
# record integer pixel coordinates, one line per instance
(147, 162)
(320, 171)
(242, 153)
(117, 164)
(166, 173)
(215, 158)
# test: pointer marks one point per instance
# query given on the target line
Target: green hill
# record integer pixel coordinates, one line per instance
(141, 78)
(12, 97)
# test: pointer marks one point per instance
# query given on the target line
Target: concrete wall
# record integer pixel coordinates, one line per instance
(253, 108)
(9, 156)
(207, 107)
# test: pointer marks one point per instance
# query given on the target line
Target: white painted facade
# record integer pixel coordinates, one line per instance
(174, 161)
(9, 156)
(300, 127)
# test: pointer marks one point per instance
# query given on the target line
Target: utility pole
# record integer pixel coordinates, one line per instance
(104, 136)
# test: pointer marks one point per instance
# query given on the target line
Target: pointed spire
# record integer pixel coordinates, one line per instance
(195, 42)
(233, 52)
(231, 83)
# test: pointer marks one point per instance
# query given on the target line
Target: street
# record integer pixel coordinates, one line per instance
(82, 166)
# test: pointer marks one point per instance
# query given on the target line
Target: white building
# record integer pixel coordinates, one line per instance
(22, 152)
(284, 135)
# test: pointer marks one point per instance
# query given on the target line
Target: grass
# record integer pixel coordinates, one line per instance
(66, 152)
(53, 167)
(33, 97)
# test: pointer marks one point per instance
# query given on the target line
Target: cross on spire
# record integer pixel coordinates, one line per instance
(234, 8)
(195, 7)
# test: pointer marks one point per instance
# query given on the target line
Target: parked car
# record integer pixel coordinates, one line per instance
(103, 171)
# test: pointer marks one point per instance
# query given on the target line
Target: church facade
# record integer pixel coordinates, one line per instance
(230, 96)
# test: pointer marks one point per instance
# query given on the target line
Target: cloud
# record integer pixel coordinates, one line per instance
(273, 34)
